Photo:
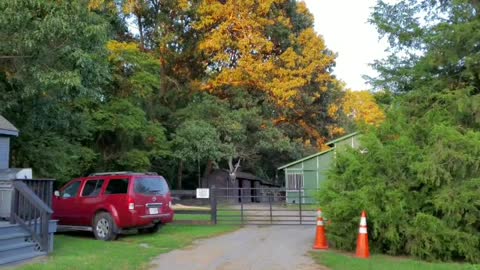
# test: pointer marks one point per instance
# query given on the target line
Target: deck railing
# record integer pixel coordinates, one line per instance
(31, 208)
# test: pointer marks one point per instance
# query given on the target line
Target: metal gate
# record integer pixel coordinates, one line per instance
(263, 206)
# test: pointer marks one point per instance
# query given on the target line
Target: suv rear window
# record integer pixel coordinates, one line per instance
(151, 185)
(117, 186)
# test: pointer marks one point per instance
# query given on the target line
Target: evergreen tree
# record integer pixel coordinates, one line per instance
(420, 176)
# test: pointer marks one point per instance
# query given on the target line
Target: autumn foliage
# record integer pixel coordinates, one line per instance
(293, 76)
(362, 107)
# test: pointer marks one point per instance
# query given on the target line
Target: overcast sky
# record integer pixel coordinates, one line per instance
(343, 24)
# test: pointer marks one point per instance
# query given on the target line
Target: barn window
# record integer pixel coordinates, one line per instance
(295, 181)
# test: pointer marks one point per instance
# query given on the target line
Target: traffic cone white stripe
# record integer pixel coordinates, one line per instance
(319, 222)
(363, 221)
(362, 230)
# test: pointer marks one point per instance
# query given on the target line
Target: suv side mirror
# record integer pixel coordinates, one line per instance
(56, 193)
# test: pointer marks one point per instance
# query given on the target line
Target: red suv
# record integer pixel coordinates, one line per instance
(108, 203)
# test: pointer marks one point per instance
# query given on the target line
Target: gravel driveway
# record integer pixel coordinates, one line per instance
(250, 248)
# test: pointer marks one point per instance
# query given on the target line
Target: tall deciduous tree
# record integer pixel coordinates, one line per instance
(260, 49)
(52, 65)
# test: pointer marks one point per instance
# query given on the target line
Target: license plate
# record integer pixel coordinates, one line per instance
(153, 211)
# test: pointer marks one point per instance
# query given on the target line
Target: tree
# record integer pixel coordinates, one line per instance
(362, 108)
(420, 177)
(52, 65)
(268, 51)
(196, 141)
(243, 136)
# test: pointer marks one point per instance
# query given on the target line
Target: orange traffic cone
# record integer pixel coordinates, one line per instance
(362, 241)
(320, 238)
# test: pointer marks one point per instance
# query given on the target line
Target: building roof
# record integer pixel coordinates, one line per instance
(246, 176)
(305, 158)
(330, 143)
(341, 138)
(6, 128)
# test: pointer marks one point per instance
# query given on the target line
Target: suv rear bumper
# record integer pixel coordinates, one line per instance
(167, 215)
(146, 220)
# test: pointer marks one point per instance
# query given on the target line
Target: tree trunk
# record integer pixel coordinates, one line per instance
(140, 30)
(199, 175)
(208, 168)
(233, 169)
(180, 175)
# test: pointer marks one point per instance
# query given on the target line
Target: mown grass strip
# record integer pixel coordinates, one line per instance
(339, 261)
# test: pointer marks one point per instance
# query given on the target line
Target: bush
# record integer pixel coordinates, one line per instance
(419, 183)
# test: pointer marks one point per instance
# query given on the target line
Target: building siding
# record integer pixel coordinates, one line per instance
(315, 170)
(4, 152)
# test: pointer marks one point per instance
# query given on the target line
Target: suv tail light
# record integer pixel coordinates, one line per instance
(131, 204)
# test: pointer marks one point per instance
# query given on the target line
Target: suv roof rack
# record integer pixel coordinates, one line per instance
(122, 173)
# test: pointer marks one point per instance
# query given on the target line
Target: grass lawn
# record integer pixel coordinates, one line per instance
(82, 251)
(192, 217)
(337, 261)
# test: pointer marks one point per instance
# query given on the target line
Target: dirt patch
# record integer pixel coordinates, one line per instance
(252, 247)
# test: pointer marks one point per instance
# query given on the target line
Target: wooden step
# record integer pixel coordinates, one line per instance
(13, 238)
(7, 228)
(15, 249)
(11, 260)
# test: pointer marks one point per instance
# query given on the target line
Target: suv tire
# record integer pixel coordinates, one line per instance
(104, 227)
(152, 229)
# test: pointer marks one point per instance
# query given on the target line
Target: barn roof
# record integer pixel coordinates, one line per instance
(6, 128)
(303, 159)
(330, 143)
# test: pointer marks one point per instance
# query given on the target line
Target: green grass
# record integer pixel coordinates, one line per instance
(82, 251)
(305, 207)
(192, 217)
(337, 261)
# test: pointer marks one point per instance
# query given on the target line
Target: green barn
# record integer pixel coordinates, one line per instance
(306, 175)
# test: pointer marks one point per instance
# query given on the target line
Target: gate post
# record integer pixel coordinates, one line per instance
(241, 204)
(213, 206)
(300, 204)
(270, 201)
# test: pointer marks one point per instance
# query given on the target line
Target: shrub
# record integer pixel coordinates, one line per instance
(419, 183)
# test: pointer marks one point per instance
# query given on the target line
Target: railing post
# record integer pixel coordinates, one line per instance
(213, 206)
(14, 206)
(44, 231)
(50, 193)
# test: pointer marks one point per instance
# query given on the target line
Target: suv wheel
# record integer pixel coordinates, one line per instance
(152, 229)
(104, 227)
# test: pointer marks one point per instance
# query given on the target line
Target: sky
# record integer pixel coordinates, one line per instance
(343, 24)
